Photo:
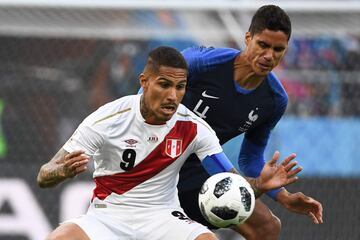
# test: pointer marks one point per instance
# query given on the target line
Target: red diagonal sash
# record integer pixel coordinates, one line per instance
(154, 163)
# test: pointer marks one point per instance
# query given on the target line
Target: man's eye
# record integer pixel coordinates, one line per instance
(279, 49)
(262, 45)
(164, 85)
(182, 86)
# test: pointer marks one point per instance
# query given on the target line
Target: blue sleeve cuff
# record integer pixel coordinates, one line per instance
(217, 163)
(273, 193)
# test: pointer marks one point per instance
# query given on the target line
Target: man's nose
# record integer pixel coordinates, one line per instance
(172, 94)
(269, 55)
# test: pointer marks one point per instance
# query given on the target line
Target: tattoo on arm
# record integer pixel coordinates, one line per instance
(50, 174)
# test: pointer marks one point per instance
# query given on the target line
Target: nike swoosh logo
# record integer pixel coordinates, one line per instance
(208, 96)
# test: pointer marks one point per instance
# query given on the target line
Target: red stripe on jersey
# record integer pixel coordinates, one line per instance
(154, 163)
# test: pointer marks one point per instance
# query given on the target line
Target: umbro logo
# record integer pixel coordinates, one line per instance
(131, 143)
(204, 94)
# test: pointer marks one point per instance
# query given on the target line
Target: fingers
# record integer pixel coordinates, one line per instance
(290, 165)
(315, 209)
(294, 172)
(81, 169)
(318, 209)
(78, 158)
(287, 160)
(79, 164)
(76, 168)
(75, 163)
(290, 180)
(74, 154)
(275, 158)
(313, 218)
(319, 218)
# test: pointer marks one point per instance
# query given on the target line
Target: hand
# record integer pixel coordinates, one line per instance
(274, 176)
(302, 204)
(72, 164)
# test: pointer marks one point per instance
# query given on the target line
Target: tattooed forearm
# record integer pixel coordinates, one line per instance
(51, 173)
(49, 176)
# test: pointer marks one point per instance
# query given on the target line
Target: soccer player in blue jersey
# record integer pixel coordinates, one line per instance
(236, 92)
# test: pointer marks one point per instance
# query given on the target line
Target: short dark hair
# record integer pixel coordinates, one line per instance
(270, 17)
(165, 56)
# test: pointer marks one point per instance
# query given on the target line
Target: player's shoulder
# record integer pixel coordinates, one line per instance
(113, 111)
(276, 87)
(185, 114)
(208, 56)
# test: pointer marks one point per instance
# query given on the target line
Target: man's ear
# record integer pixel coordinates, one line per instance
(143, 80)
(247, 38)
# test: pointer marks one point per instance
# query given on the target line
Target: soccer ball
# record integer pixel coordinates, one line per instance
(226, 199)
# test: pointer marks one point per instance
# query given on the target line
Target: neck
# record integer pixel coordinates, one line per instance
(146, 114)
(143, 108)
(244, 75)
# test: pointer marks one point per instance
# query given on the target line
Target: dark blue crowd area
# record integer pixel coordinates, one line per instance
(320, 73)
(323, 53)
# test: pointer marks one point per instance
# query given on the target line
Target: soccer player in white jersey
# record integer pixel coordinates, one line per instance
(138, 144)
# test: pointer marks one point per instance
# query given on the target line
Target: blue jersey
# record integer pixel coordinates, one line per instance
(230, 110)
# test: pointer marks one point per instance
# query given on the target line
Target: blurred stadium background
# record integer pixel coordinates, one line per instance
(60, 60)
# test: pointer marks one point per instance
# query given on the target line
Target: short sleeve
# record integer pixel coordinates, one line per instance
(84, 138)
(207, 142)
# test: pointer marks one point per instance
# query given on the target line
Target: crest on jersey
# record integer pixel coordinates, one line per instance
(173, 147)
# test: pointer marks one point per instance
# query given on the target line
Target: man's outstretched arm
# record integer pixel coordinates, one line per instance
(272, 176)
(251, 161)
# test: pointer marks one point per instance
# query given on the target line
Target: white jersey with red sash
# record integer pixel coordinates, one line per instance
(137, 164)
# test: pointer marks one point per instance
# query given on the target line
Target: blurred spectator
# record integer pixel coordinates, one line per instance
(116, 74)
(117, 66)
(324, 76)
